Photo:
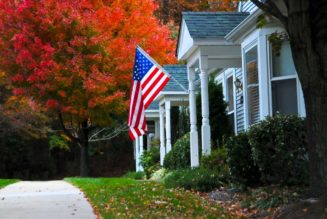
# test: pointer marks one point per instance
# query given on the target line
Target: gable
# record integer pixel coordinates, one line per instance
(185, 41)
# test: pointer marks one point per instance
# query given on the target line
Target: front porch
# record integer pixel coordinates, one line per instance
(203, 46)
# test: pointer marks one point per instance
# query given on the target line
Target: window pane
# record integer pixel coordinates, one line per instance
(284, 97)
(230, 94)
(283, 64)
(251, 58)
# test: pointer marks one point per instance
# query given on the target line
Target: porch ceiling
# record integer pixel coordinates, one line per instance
(218, 56)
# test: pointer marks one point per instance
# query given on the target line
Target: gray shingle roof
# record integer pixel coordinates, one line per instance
(179, 72)
(212, 24)
(153, 106)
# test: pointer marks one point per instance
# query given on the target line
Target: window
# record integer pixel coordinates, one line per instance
(252, 85)
(284, 82)
(230, 100)
(230, 94)
(283, 63)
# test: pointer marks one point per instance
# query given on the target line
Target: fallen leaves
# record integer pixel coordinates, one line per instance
(118, 198)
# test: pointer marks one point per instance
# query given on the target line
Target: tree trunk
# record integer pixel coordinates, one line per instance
(317, 138)
(84, 147)
(165, 10)
(307, 28)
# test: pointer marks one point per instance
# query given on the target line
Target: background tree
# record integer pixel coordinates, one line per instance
(306, 24)
(76, 57)
(171, 10)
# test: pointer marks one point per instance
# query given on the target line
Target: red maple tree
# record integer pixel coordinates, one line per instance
(76, 57)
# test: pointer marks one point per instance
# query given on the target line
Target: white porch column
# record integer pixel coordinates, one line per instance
(162, 134)
(194, 141)
(156, 128)
(206, 135)
(168, 126)
(141, 152)
(136, 143)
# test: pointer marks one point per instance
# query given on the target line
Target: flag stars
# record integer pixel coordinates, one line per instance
(142, 65)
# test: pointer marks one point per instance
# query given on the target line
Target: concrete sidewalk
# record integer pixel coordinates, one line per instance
(43, 200)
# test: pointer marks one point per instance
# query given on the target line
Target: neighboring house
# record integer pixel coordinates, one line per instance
(175, 93)
(256, 82)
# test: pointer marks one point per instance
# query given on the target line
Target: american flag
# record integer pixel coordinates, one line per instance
(148, 80)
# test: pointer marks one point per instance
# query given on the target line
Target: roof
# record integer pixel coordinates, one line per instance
(153, 106)
(178, 73)
(212, 24)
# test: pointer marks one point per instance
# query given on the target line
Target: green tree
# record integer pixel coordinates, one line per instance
(220, 127)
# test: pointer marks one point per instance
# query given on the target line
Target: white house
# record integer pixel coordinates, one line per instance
(256, 82)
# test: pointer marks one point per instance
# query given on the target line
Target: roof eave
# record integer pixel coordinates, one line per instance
(162, 94)
(197, 42)
(187, 53)
(248, 23)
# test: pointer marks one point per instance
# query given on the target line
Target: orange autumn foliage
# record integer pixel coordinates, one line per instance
(77, 56)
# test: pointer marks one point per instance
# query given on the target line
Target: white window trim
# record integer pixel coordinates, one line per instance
(245, 49)
(281, 78)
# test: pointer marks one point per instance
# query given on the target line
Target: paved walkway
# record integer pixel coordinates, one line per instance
(44, 200)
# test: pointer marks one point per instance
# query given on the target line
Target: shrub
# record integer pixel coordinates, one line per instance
(135, 175)
(150, 160)
(217, 161)
(239, 158)
(200, 179)
(279, 149)
(179, 156)
(159, 174)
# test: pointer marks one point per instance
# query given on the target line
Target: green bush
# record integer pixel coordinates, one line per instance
(159, 174)
(179, 156)
(135, 175)
(150, 160)
(239, 158)
(199, 179)
(217, 161)
(279, 149)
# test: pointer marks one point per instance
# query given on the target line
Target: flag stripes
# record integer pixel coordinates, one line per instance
(148, 80)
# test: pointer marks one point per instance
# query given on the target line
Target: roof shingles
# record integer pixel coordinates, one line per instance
(179, 73)
(212, 24)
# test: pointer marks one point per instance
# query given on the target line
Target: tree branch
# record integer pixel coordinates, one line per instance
(272, 9)
(66, 131)
(117, 131)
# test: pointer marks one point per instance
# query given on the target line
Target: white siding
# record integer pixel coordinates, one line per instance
(239, 108)
(247, 6)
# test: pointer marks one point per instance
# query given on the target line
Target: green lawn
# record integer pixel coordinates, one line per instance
(5, 182)
(128, 198)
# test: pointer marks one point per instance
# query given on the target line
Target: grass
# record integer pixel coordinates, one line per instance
(5, 182)
(128, 198)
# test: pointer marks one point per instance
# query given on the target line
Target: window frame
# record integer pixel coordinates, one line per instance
(271, 79)
(245, 49)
